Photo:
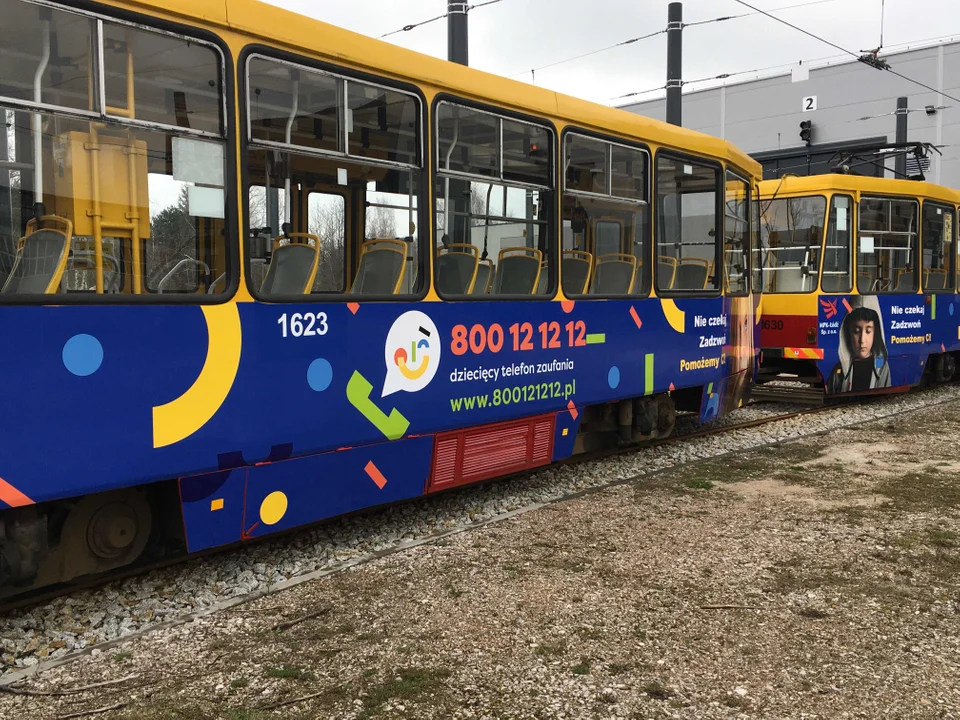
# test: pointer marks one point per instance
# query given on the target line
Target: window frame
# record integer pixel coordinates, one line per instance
(851, 248)
(821, 194)
(227, 136)
(312, 65)
(551, 224)
(612, 140)
(952, 271)
(719, 220)
(860, 197)
(748, 270)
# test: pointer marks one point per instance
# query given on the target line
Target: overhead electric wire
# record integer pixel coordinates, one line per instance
(592, 52)
(848, 52)
(654, 34)
(412, 26)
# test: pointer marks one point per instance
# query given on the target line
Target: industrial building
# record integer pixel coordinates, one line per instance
(848, 104)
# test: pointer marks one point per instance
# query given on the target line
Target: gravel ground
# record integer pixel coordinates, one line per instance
(49, 633)
(819, 578)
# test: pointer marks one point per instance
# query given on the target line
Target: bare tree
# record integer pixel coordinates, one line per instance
(328, 221)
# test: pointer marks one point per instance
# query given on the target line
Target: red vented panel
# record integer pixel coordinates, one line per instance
(466, 456)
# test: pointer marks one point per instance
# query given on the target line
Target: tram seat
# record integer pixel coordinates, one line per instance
(865, 282)
(293, 266)
(41, 258)
(906, 281)
(543, 280)
(935, 280)
(457, 266)
(382, 264)
(666, 272)
(577, 267)
(791, 279)
(692, 274)
(833, 283)
(614, 274)
(518, 271)
(481, 285)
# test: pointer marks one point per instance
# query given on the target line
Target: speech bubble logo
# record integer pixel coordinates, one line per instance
(412, 353)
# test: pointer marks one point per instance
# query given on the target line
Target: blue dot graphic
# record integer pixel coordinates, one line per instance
(613, 377)
(951, 309)
(83, 355)
(319, 375)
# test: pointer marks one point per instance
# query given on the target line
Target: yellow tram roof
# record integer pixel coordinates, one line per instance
(297, 33)
(820, 184)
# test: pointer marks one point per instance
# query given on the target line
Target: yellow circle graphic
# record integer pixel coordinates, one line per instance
(273, 508)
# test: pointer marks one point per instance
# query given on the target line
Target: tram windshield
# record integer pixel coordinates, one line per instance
(791, 234)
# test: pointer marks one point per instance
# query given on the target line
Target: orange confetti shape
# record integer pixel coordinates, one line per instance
(353, 307)
(567, 306)
(375, 475)
(11, 496)
(573, 410)
(636, 318)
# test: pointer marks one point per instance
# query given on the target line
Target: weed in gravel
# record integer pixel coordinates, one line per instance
(238, 683)
(928, 489)
(406, 684)
(241, 714)
(122, 656)
(941, 538)
(619, 668)
(286, 672)
(582, 668)
(656, 691)
(812, 613)
(555, 648)
(698, 483)
(736, 701)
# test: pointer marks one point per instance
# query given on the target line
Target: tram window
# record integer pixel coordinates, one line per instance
(687, 232)
(312, 117)
(67, 79)
(328, 213)
(736, 236)
(327, 218)
(938, 247)
(791, 233)
(175, 82)
(105, 204)
(606, 202)
(586, 164)
(493, 222)
(837, 275)
(887, 245)
(757, 264)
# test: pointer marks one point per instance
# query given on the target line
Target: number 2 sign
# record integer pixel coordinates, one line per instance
(810, 103)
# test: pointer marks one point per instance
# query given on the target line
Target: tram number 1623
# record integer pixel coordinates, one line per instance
(303, 324)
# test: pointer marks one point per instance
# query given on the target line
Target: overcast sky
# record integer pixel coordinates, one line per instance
(512, 36)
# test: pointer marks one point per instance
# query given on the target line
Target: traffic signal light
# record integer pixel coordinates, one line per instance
(806, 131)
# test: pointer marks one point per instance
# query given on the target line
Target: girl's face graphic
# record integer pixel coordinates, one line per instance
(861, 339)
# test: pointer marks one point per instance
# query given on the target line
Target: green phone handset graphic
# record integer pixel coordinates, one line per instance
(393, 425)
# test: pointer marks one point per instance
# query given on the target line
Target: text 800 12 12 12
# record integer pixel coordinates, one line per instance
(522, 336)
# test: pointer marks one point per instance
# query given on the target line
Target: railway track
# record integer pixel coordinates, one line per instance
(96, 581)
(415, 530)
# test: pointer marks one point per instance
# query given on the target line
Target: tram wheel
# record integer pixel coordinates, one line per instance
(666, 416)
(104, 531)
(944, 367)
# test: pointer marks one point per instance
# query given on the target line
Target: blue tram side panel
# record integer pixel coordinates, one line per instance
(276, 416)
(904, 330)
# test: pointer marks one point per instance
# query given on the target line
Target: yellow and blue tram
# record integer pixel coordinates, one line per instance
(258, 271)
(859, 281)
